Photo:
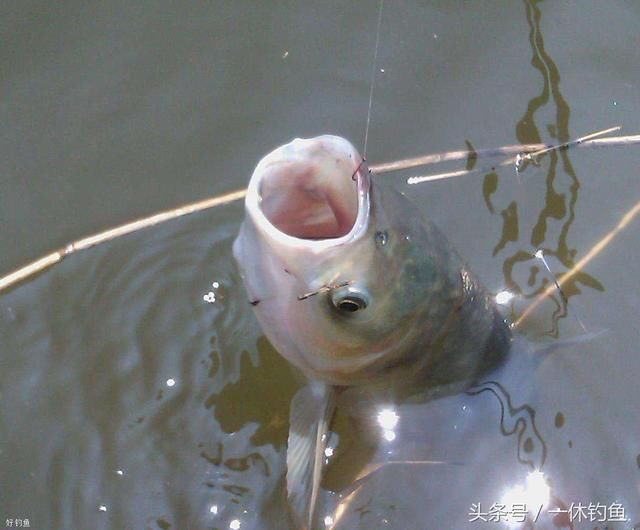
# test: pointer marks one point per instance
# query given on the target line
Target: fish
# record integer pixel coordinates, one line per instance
(356, 288)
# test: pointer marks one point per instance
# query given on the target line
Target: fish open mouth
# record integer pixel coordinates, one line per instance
(313, 195)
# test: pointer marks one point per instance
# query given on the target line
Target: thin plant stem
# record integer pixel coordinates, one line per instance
(44, 262)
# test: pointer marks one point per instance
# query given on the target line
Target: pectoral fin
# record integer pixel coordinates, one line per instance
(311, 411)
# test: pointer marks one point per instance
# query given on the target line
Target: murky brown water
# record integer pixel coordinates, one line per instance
(135, 394)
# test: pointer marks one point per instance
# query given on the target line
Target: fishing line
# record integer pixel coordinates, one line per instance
(540, 255)
(373, 79)
(580, 265)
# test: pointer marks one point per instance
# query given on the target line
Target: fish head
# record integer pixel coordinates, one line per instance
(345, 278)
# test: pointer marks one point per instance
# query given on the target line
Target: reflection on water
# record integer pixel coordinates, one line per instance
(551, 229)
(532, 450)
(138, 392)
(163, 406)
(234, 406)
(127, 361)
(421, 452)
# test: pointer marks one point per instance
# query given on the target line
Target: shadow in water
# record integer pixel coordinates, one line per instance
(272, 387)
(561, 191)
(532, 449)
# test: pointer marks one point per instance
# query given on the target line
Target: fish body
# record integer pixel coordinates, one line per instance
(353, 286)
(350, 282)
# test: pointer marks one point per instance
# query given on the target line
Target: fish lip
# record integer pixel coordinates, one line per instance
(280, 154)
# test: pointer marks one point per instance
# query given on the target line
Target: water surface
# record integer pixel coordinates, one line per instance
(136, 394)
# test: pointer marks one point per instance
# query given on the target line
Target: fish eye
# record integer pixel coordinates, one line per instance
(349, 299)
